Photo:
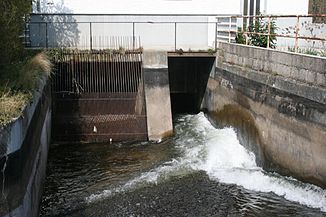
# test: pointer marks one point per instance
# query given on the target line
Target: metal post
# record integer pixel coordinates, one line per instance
(296, 34)
(90, 36)
(133, 35)
(269, 31)
(46, 35)
(175, 36)
(230, 22)
(216, 36)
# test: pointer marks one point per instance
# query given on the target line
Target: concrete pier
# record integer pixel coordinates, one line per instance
(157, 95)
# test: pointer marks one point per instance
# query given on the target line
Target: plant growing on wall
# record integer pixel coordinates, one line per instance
(240, 37)
(261, 27)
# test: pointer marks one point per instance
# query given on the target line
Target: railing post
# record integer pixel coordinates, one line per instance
(175, 36)
(46, 35)
(133, 35)
(230, 22)
(297, 35)
(90, 36)
(216, 36)
(269, 31)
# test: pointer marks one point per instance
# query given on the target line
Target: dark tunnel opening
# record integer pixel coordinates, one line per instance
(188, 77)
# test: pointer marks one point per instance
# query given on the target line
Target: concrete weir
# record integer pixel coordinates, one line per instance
(157, 95)
(23, 155)
(277, 102)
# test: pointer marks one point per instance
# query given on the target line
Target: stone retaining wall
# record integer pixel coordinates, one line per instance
(277, 114)
(24, 143)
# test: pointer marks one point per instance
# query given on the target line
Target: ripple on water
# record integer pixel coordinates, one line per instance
(199, 167)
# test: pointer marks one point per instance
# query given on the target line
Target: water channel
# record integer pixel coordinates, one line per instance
(201, 171)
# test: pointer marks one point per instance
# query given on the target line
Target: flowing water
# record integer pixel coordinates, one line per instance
(201, 171)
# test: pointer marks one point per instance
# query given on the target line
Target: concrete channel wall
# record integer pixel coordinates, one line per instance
(276, 101)
(157, 95)
(23, 155)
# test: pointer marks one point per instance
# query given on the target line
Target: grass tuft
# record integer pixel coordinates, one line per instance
(11, 105)
(18, 81)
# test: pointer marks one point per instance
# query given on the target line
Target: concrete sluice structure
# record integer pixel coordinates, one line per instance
(276, 102)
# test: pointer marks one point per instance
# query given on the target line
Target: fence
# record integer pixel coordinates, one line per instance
(169, 32)
(165, 32)
(309, 29)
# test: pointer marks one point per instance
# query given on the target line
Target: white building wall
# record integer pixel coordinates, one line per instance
(152, 35)
(161, 36)
(141, 6)
(285, 7)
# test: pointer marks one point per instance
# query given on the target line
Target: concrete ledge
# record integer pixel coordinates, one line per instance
(301, 67)
(13, 134)
(314, 93)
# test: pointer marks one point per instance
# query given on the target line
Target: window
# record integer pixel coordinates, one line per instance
(250, 7)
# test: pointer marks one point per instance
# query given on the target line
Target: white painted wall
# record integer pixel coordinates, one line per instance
(284, 7)
(141, 6)
(161, 36)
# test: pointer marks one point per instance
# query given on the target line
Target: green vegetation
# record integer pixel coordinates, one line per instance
(17, 83)
(309, 51)
(259, 40)
(20, 69)
(240, 38)
(12, 25)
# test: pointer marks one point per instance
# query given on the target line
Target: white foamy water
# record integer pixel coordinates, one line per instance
(219, 153)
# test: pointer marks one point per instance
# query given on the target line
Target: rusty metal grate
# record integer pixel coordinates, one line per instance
(98, 96)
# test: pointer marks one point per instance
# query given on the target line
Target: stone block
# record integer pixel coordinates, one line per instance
(297, 60)
(233, 48)
(321, 79)
(243, 51)
(268, 66)
(297, 74)
(282, 70)
(310, 76)
(258, 64)
(248, 62)
(260, 53)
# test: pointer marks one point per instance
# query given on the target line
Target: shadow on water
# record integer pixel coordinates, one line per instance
(78, 170)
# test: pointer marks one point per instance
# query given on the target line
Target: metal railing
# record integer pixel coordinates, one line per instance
(244, 23)
(49, 29)
(47, 26)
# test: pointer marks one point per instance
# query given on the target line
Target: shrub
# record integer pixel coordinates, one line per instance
(259, 26)
(240, 37)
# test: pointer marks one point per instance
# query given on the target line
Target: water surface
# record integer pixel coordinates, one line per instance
(201, 171)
